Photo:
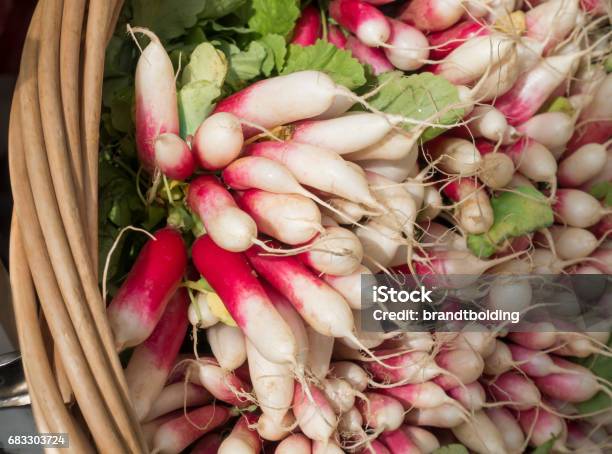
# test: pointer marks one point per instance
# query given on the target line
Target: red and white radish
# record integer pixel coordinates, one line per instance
(541, 426)
(518, 391)
(349, 286)
(425, 440)
(444, 42)
(362, 19)
(138, 305)
(432, 15)
(474, 211)
(372, 56)
(294, 444)
(511, 430)
(242, 439)
(399, 442)
(396, 145)
(336, 37)
(218, 141)
(223, 385)
(407, 48)
(577, 208)
(315, 417)
(480, 435)
(533, 160)
(308, 27)
(336, 251)
(173, 156)
(582, 165)
(175, 396)
(200, 315)
(551, 129)
(351, 373)
(454, 155)
(445, 416)
(228, 345)
(268, 429)
(551, 21)
(381, 413)
(208, 444)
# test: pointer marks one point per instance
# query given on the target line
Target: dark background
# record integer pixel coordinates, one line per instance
(14, 19)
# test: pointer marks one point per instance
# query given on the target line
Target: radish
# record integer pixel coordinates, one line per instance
(399, 442)
(395, 170)
(340, 394)
(375, 447)
(318, 304)
(488, 122)
(578, 384)
(432, 204)
(242, 439)
(351, 373)
(472, 396)
(577, 208)
(177, 395)
(594, 124)
(551, 21)
(305, 94)
(425, 440)
(582, 165)
(268, 429)
(408, 48)
(533, 160)
(454, 155)
(227, 345)
(541, 425)
(349, 286)
(350, 425)
(403, 368)
(227, 225)
(460, 367)
(510, 431)
(472, 59)
(326, 447)
(442, 237)
(362, 19)
(208, 444)
(496, 170)
(474, 211)
(294, 444)
(318, 168)
(444, 42)
(272, 383)
(537, 337)
(319, 353)
(432, 15)
(345, 134)
(380, 244)
(551, 129)
(345, 212)
(245, 300)
(316, 418)
(533, 88)
(156, 102)
(308, 27)
(175, 435)
(223, 385)
(381, 413)
(603, 259)
(480, 435)
(173, 156)
(151, 361)
(445, 416)
(218, 141)
(373, 57)
(138, 305)
(336, 37)
(419, 395)
(579, 438)
(397, 145)
(290, 218)
(337, 251)
(573, 243)
(509, 294)
(519, 391)
(399, 202)
(200, 315)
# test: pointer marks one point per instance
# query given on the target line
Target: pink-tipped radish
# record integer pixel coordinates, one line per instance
(228, 345)
(175, 396)
(173, 156)
(336, 36)
(208, 444)
(432, 15)
(408, 48)
(454, 155)
(551, 21)
(444, 42)
(398, 442)
(137, 307)
(316, 418)
(519, 391)
(381, 413)
(582, 165)
(511, 430)
(480, 435)
(445, 416)
(578, 384)
(362, 19)
(372, 56)
(349, 286)
(336, 251)
(308, 27)
(245, 300)
(551, 129)
(474, 211)
(533, 160)
(218, 141)
(351, 373)
(294, 444)
(577, 208)
(270, 430)
(541, 426)
(242, 439)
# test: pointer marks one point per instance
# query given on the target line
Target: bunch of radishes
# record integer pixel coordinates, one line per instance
(300, 197)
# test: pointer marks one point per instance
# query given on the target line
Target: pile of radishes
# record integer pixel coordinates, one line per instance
(300, 197)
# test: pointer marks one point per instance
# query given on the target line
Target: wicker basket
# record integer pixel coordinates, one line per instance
(53, 143)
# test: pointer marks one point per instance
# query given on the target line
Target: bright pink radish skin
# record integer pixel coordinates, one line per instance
(242, 439)
(290, 218)
(320, 306)
(481, 435)
(294, 444)
(152, 360)
(156, 102)
(135, 310)
(272, 383)
(316, 418)
(534, 87)
(346, 134)
(432, 15)
(245, 300)
(578, 208)
(318, 168)
(227, 345)
(228, 226)
(542, 426)
(533, 363)
(208, 444)
(373, 56)
(174, 436)
(517, 389)
(308, 27)
(474, 211)
(382, 413)
(177, 395)
(444, 42)
(533, 160)
(173, 156)
(362, 19)
(218, 141)
(551, 21)
(306, 94)
(582, 165)
(398, 442)
(336, 37)
(577, 385)
(510, 431)
(410, 47)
